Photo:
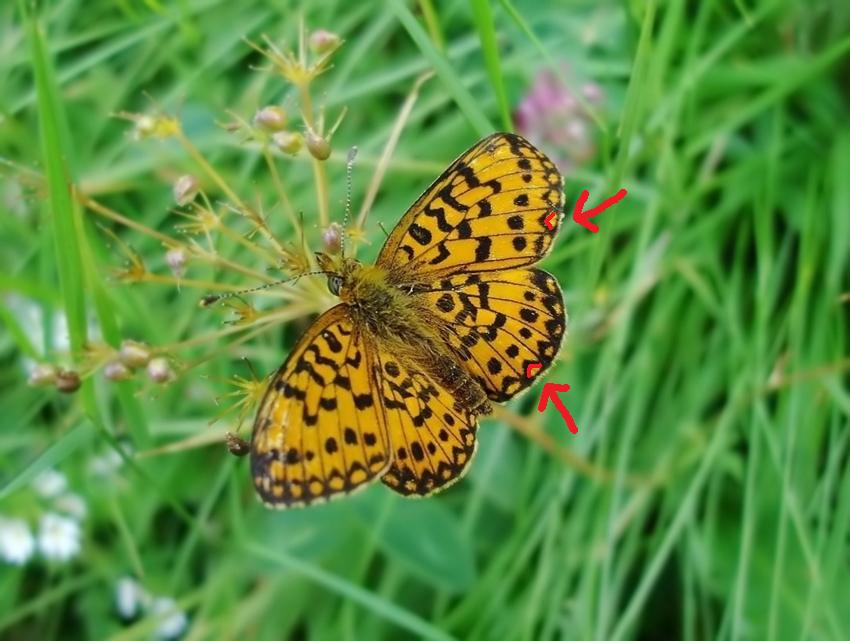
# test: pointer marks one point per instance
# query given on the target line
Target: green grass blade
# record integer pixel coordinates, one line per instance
(445, 71)
(55, 147)
(64, 447)
(381, 607)
(483, 14)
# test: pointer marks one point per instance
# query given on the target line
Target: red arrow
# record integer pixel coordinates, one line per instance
(529, 371)
(583, 217)
(550, 391)
(548, 220)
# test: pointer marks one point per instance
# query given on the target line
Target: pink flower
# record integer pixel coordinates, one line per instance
(551, 116)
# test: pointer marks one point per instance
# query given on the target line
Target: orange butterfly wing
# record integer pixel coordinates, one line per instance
(499, 323)
(486, 212)
(432, 435)
(320, 430)
(463, 248)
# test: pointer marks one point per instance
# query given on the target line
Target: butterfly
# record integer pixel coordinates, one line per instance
(389, 384)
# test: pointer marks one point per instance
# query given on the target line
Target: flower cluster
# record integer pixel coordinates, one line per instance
(58, 535)
(558, 119)
(209, 211)
(117, 365)
(132, 601)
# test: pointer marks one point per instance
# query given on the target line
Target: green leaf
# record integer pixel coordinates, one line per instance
(427, 538)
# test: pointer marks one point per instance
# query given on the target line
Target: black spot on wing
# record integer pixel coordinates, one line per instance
(442, 254)
(468, 175)
(451, 201)
(482, 251)
(419, 234)
(439, 214)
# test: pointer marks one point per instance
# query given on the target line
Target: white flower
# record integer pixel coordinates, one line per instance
(172, 620)
(30, 316)
(50, 483)
(16, 542)
(106, 464)
(72, 505)
(129, 597)
(58, 537)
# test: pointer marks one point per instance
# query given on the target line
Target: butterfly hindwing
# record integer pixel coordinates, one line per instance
(320, 430)
(498, 323)
(487, 212)
(432, 436)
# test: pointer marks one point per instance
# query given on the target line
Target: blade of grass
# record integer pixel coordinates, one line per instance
(433, 22)
(467, 103)
(636, 94)
(49, 598)
(483, 15)
(791, 82)
(629, 617)
(53, 130)
(553, 65)
(66, 445)
(200, 521)
(381, 607)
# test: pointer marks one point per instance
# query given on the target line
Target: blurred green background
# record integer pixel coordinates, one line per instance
(707, 493)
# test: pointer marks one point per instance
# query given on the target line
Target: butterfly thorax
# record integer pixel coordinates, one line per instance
(399, 320)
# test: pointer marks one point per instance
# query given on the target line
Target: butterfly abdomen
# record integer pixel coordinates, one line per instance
(465, 389)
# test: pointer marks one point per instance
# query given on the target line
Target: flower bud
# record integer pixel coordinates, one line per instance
(592, 92)
(116, 371)
(270, 119)
(133, 354)
(576, 130)
(185, 189)
(145, 127)
(318, 147)
(42, 375)
(159, 126)
(236, 445)
(67, 381)
(287, 141)
(159, 370)
(323, 41)
(176, 260)
(332, 238)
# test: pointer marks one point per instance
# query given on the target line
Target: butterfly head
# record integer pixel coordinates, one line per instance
(341, 272)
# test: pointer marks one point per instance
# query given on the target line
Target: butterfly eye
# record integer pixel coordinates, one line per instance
(334, 284)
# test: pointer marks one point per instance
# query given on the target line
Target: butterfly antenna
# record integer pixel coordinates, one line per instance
(349, 168)
(211, 299)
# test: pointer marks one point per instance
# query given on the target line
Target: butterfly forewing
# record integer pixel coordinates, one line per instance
(320, 430)
(487, 212)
